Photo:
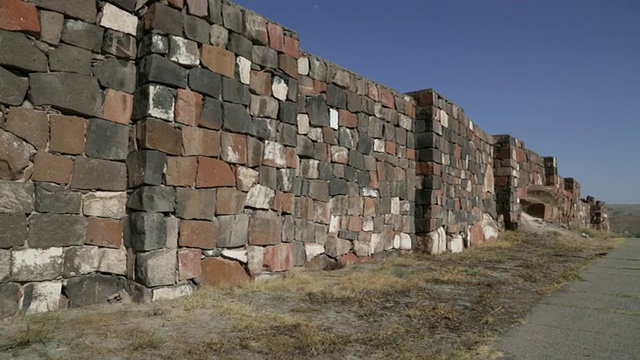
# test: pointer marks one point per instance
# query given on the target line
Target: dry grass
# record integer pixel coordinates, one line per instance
(410, 307)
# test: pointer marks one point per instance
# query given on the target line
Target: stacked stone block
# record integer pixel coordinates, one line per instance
(67, 78)
(455, 187)
(516, 168)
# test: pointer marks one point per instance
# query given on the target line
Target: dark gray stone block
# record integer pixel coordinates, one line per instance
(56, 230)
(129, 5)
(365, 144)
(285, 180)
(99, 174)
(236, 92)
(158, 69)
(153, 198)
(165, 19)
(240, 45)
(215, 11)
(211, 115)
(145, 167)
(83, 34)
(155, 101)
(288, 112)
(237, 119)
(13, 88)
(153, 44)
(9, 299)
(81, 9)
(305, 148)
(205, 82)
(119, 44)
(319, 190)
(20, 52)
(196, 29)
(232, 17)
(269, 177)
(92, 289)
(52, 198)
(107, 140)
(14, 230)
(234, 231)
(356, 160)
(72, 93)
(147, 231)
(69, 58)
(336, 97)
(116, 74)
(318, 111)
(287, 134)
(338, 187)
(265, 56)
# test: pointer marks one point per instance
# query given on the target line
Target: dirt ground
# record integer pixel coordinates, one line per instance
(412, 306)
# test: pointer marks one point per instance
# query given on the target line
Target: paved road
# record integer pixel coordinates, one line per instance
(596, 318)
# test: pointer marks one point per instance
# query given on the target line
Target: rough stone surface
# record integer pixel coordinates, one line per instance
(68, 58)
(154, 101)
(217, 271)
(107, 140)
(80, 9)
(153, 198)
(119, 20)
(82, 34)
(199, 234)
(265, 228)
(36, 264)
(160, 135)
(99, 174)
(170, 293)
(80, 260)
(184, 52)
(148, 231)
(20, 52)
(113, 261)
(13, 88)
(116, 74)
(14, 231)
(197, 204)
(157, 268)
(189, 263)
(52, 168)
(52, 198)
(92, 289)
(145, 167)
(234, 231)
(105, 204)
(75, 93)
(14, 156)
(10, 294)
(279, 257)
(104, 232)
(214, 173)
(31, 125)
(260, 197)
(41, 297)
(49, 230)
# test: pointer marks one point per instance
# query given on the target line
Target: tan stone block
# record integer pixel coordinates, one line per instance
(159, 135)
(233, 148)
(229, 201)
(289, 65)
(260, 83)
(52, 168)
(265, 228)
(67, 134)
(181, 171)
(276, 36)
(198, 141)
(292, 47)
(347, 119)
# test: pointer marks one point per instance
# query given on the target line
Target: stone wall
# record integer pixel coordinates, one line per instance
(149, 147)
(455, 189)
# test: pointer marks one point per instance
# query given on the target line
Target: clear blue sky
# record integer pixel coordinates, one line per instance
(562, 75)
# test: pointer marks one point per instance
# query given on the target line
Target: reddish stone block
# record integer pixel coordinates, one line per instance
(285, 202)
(453, 228)
(229, 201)
(348, 259)
(234, 148)
(189, 263)
(372, 92)
(292, 47)
(52, 168)
(104, 232)
(159, 135)
(31, 125)
(181, 171)
(118, 106)
(198, 7)
(198, 141)
(214, 173)
(305, 86)
(347, 119)
(67, 134)
(265, 228)
(381, 172)
(369, 207)
(16, 15)
(188, 107)
(305, 208)
(411, 154)
(276, 36)
(476, 234)
(219, 60)
(198, 234)
(373, 180)
(387, 99)
(319, 87)
(260, 83)
(390, 147)
(291, 157)
(217, 271)
(279, 257)
(410, 109)
(289, 65)
(354, 223)
(178, 4)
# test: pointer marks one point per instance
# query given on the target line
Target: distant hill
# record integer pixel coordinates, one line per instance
(625, 218)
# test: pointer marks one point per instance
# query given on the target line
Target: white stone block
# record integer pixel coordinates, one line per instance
(119, 20)
(333, 119)
(105, 204)
(244, 68)
(279, 88)
(170, 293)
(312, 250)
